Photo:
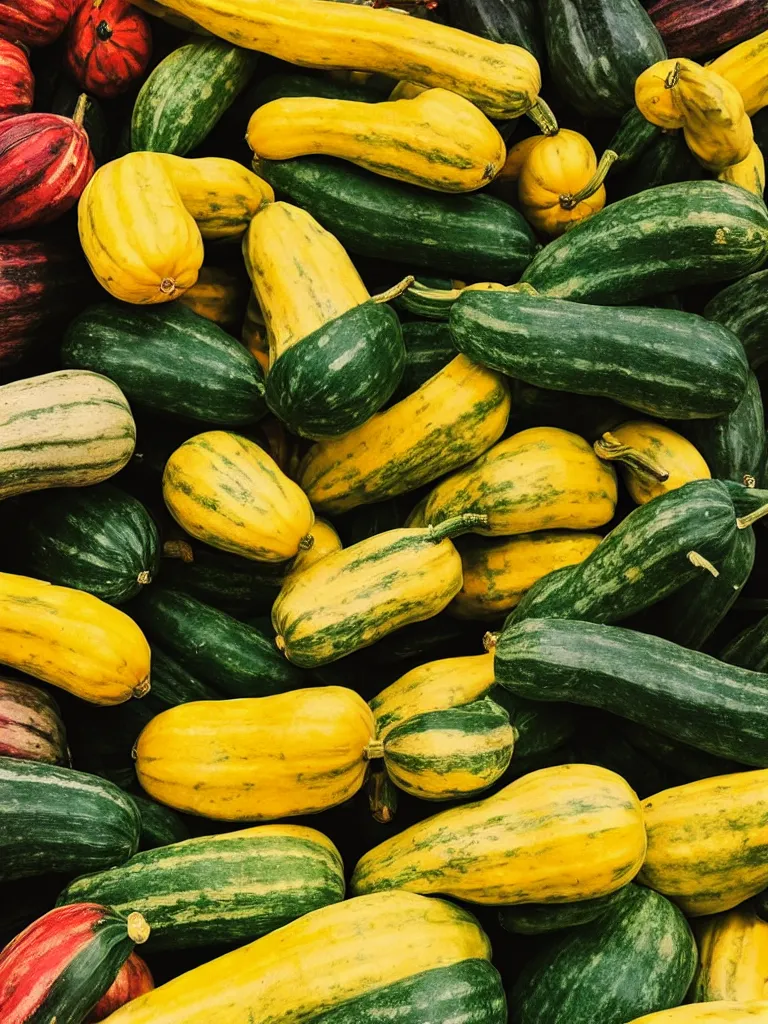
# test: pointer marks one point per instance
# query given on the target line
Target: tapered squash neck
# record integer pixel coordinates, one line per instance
(610, 449)
(607, 160)
(456, 525)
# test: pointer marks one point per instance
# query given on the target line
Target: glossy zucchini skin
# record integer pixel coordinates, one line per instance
(515, 22)
(474, 235)
(733, 445)
(653, 242)
(653, 360)
(742, 307)
(160, 826)
(689, 696)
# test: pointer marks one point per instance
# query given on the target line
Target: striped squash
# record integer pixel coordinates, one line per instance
(451, 419)
(133, 979)
(358, 595)
(61, 965)
(225, 490)
(541, 478)
(70, 428)
(259, 758)
(223, 889)
(555, 836)
(30, 724)
(710, 1013)
(733, 956)
(708, 842)
(364, 959)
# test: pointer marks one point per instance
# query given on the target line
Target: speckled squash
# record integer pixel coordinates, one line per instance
(749, 173)
(325, 541)
(733, 957)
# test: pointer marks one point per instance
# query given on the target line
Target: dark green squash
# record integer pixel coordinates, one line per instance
(541, 918)
(503, 21)
(742, 307)
(631, 139)
(665, 161)
(733, 445)
(750, 648)
(160, 826)
(687, 762)
(428, 348)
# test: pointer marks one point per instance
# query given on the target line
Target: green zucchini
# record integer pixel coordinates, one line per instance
(474, 236)
(666, 161)
(541, 918)
(642, 560)
(160, 826)
(687, 762)
(694, 232)
(610, 749)
(97, 539)
(631, 139)
(59, 821)
(733, 445)
(168, 359)
(686, 695)
(187, 93)
(223, 889)
(428, 348)
(653, 360)
(637, 958)
(743, 309)
(750, 648)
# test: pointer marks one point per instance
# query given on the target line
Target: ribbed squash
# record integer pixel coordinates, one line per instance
(30, 724)
(733, 957)
(746, 67)
(654, 459)
(218, 296)
(749, 173)
(133, 979)
(356, 596)
(17, 83)
(436, 139)
(354, 961)
(541, 478)
(557, 835)
(498, 571)
(325, 541)
(258, 758)
(225, 490)
(710, 1013)
(708, 842)
(451, 419)
(109, 44)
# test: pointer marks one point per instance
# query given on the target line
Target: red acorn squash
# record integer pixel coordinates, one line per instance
(695, 28)
(34, 22)
(17, 83)
(134, 979)
(108, 46)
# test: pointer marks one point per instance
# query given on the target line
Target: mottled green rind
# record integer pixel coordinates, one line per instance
(169, 359)
(541, 728)
(187, 93)
(686, 695)
(206, 892)
(636, 959)
(501, 21)
(632, 138)
(541, 918)
(685, 761)
(428, 348)
(742, 307)
(653, 360)
(656, 241)
(98, 539)
(226, 581)
(60, 821)
(750, 648)
(339, 375)
(160, 826)
(733, 445)
(642, 560)
(666, 161)
(473, 236)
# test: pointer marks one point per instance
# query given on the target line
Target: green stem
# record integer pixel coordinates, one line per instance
(455, 525)
(607, 160)
(543, 118)
(79, 115)
(610, 449)
(374, 749)
(395, 290)
(522, 288)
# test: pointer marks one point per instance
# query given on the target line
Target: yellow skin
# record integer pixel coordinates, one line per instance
(749, 174)
(498, 572)
(325, 541)
(733, 957)
(218, 296)
(257, 758)
(554, 836)
(746, 67)
(657, 92)
(559, 165)
(72, 640)
(226, 491)
(710, 1013)
(437, 140)
(705, 841)
(301, 274)
(652, 446)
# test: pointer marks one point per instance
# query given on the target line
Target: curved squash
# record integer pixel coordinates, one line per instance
(258, 758)
(452, 418)
(72, 640)
(436, 139)
(70, 428)
(733, 957)
(710, 1013)
(707, 842)
(746, 67)
(748, 173)
(555, 836)
(225, 490)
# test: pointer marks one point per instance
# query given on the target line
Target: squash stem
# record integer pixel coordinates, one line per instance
(702, 563)
(610, 449)
(141, 689)
(455, 525)
(673, 77)
(745, 521)
(179, 549)
(144, 577)
(373, 750)
(79, 115)
(382, 796)
(543, 118)
(395, 290)
(138, 929)
(490, 640)
(306, 542)
(521, 288)
(607, 160)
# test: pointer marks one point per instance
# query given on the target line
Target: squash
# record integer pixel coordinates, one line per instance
(694, 29)
(541, 478)
(109, 44)
(132, 980)
(543, 918)
(30, 724)
(436, 139)
(746, 67)
(160, 826)
(654, 459)
(748, 173)
(356, 596)
(226, 491)
(733, 952)
(17, 83)
(37, 23)
(259, 758)
(710, 1013)
(69, 428)
(557, 835)
(500, 21)
(325, 541)
(707, 847)
(218, 296)
(733, 446)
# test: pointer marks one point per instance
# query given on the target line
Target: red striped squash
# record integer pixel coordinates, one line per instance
(134, 979)
(34, 22)
(108, 46)
(17, 83)
(30, 724)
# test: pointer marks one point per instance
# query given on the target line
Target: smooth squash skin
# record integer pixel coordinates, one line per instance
(720, 1012)
(749, 173)
(226, 491)
(746, 67)
(733, 957)
(260, 758)
(437, 140)
(556, 835)
(708, 842)
(325, 541)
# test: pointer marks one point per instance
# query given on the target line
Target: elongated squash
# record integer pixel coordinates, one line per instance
(554, 836)
(721, 1012)
(225, 490)
(708, 842)
(733, 956)
(746, 67)
(749, 173)
(436, 139)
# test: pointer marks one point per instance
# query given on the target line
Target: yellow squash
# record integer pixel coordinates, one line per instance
(498, 571)
(710, 1013)
(746, 67)
(657, 92)
(502, 80)
(158, 10)
(325, 541)
(543, 478)
(218, 296)
(733, 957)
(258, 758)
(555, 836)
(654, 458)
(226, 491)
(72, 640)
(749, 174)
(708, 842)
(437, 140)
(450, 420)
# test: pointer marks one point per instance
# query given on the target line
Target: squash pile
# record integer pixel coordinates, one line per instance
(383, 490)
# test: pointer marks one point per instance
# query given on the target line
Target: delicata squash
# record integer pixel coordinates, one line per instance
(733, 956)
